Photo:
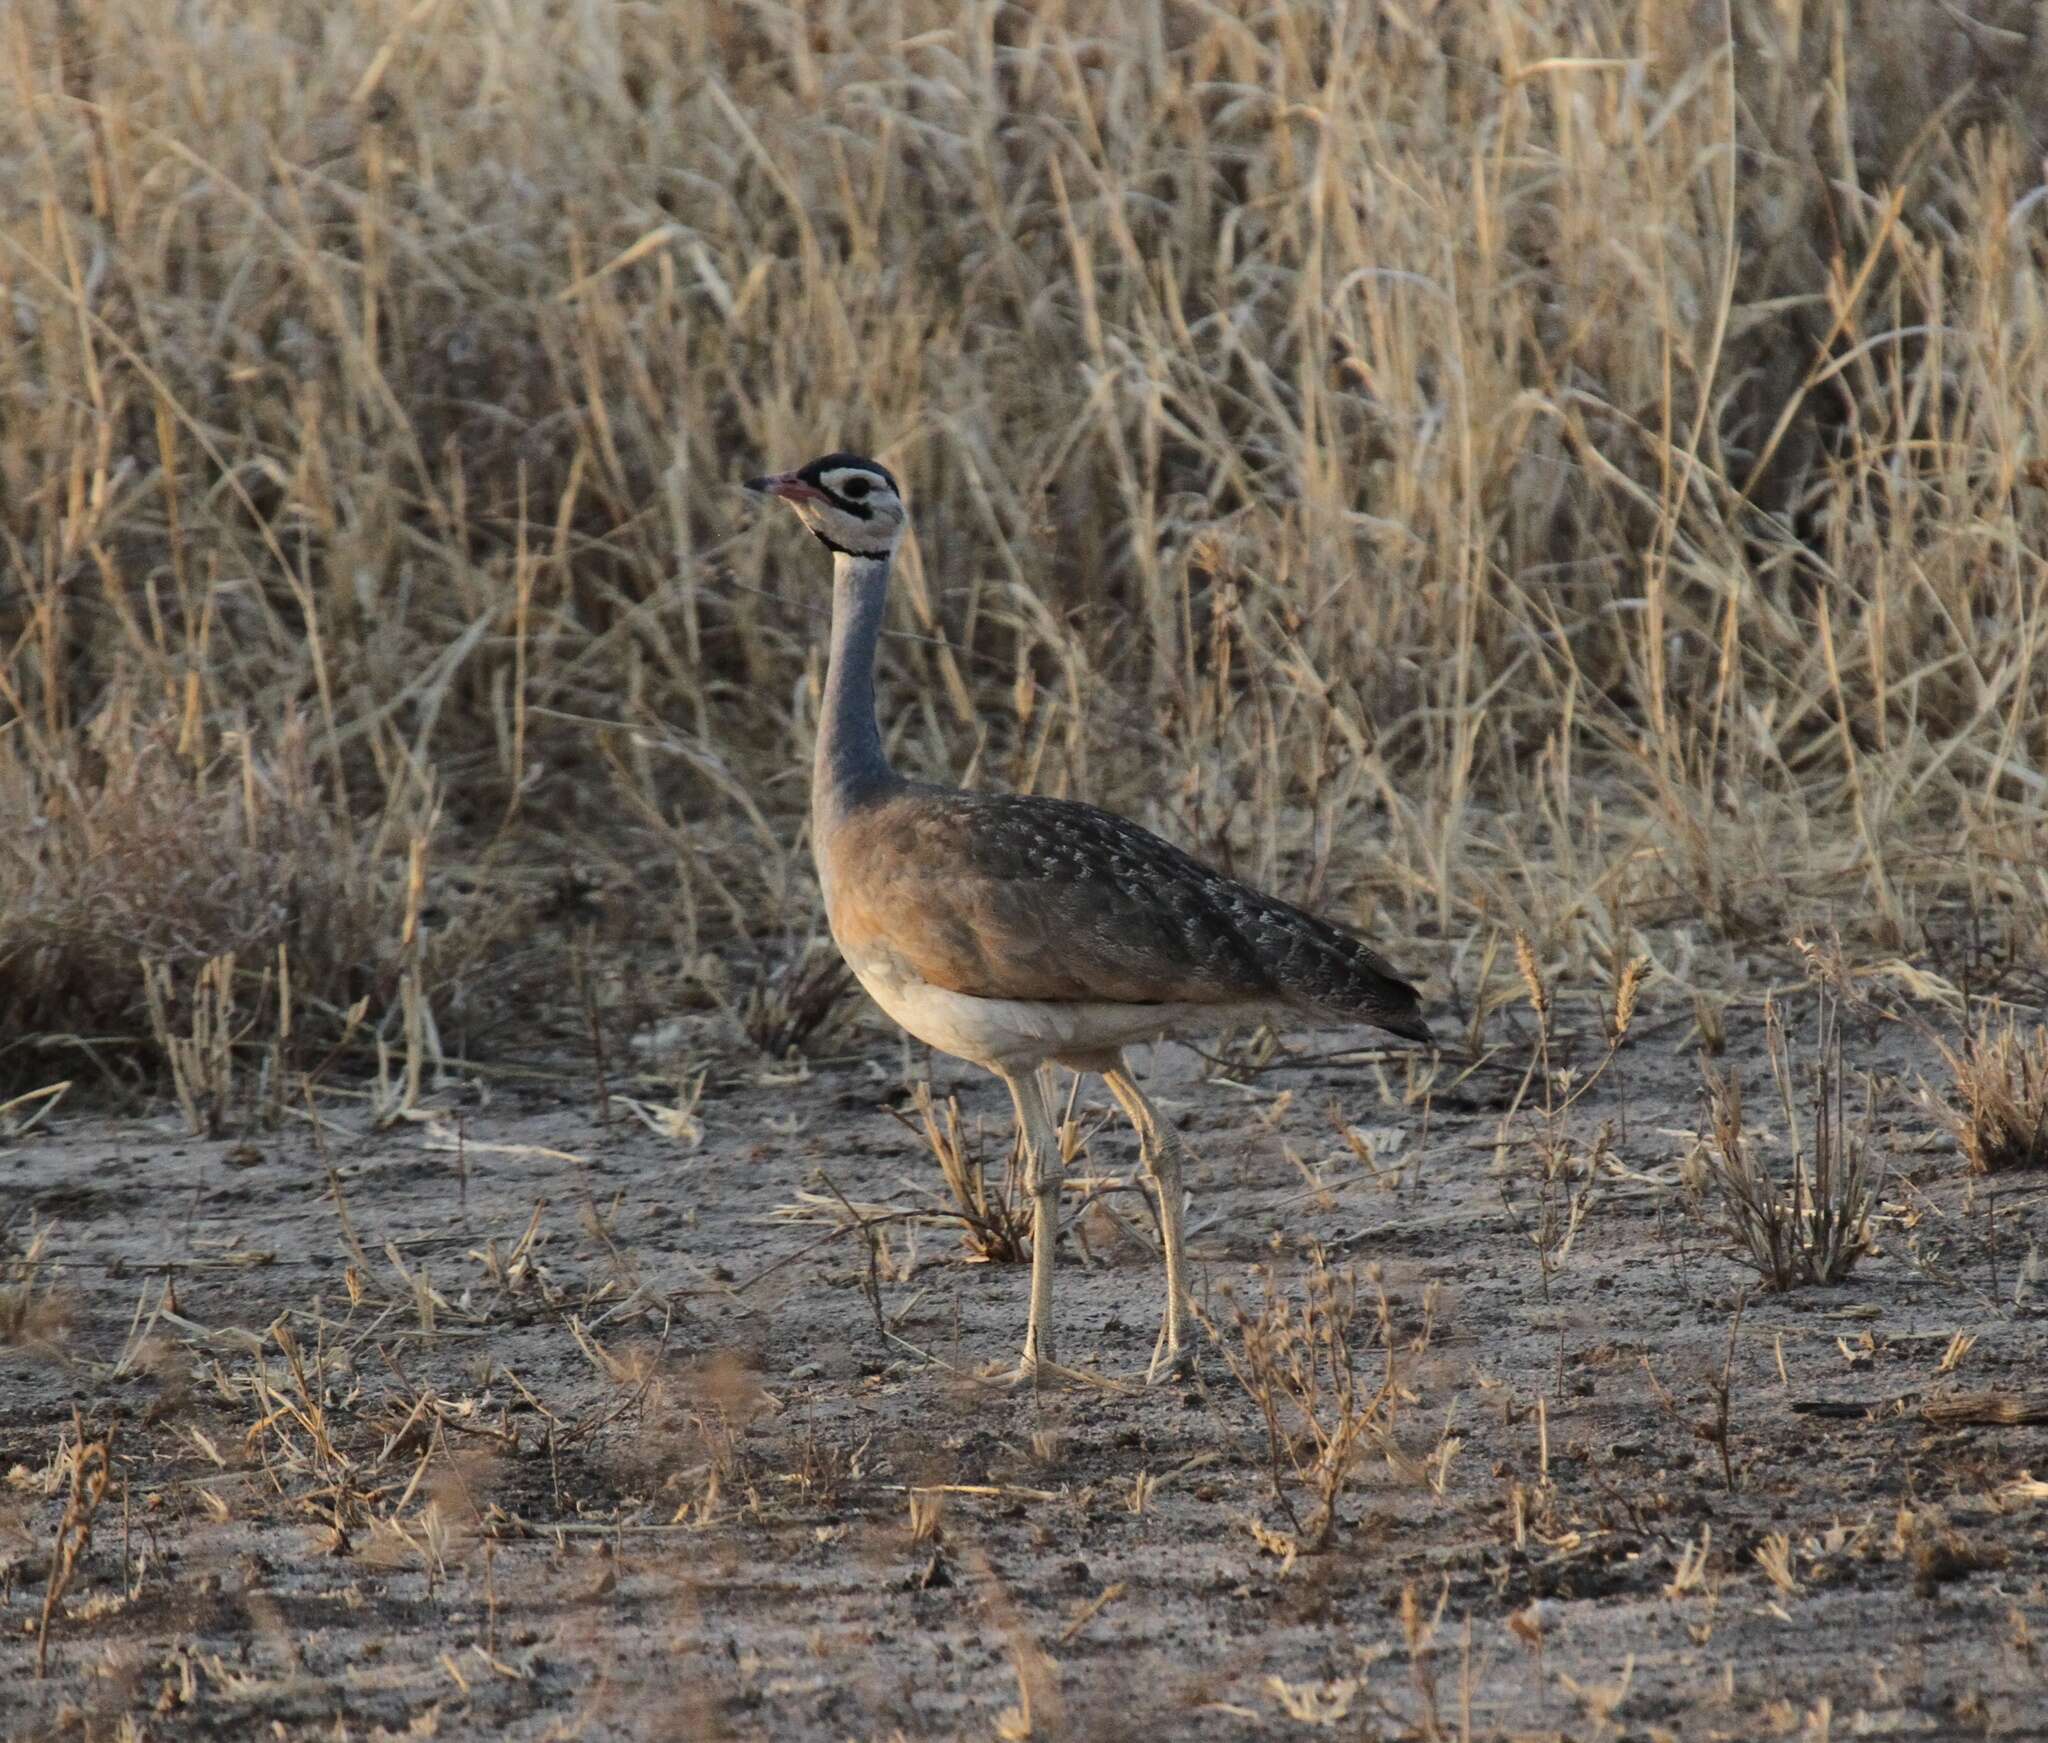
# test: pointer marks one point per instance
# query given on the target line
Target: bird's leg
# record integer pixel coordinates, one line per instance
(1042, 1182)
(1160, 1152)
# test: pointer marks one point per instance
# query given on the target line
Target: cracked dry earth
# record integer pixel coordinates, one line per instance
(513, 1424)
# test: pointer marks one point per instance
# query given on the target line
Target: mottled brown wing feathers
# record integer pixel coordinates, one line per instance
(1026, 898)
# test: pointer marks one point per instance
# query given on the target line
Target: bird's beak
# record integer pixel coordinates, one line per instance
(788, 486)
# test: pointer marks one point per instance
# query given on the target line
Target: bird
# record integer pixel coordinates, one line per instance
(1017, 931)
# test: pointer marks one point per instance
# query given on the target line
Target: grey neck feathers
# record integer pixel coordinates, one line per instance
(850, 763)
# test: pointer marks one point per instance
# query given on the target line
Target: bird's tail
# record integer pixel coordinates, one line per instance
(1329, 970)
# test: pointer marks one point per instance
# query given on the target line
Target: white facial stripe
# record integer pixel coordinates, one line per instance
(837, 481)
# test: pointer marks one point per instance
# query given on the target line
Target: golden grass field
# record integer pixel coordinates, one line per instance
(1558, 487)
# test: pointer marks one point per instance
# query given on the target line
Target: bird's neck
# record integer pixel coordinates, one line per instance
(851, 765)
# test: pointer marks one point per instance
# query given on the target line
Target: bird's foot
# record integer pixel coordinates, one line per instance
(1171, 1366)
(1173, 1356)
(1041, 1374)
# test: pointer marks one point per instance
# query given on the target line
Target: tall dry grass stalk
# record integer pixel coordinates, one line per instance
(1566, 468)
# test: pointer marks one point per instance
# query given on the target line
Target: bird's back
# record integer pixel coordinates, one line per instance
(1014, 897)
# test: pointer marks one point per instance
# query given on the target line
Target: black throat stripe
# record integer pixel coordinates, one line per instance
(832, 544)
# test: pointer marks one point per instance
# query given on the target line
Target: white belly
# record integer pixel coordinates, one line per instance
(1016, 1035)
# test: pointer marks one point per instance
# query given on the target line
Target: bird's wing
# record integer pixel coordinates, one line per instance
(1013, 897)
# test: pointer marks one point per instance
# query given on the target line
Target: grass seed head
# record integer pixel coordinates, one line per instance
(1625, 994)
(1532, 976)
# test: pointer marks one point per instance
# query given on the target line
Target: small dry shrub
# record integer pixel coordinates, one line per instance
(145, 862)
(1299, 1361)
(1816, 1225)
(1999, 1108)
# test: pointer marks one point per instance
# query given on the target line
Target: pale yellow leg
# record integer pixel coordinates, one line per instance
(1042, 1173)
(1160, 1152)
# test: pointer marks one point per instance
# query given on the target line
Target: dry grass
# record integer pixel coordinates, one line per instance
(786, 1008)
(1812, 1225)
(150, 862)
(30, 1310)
(1568, 470)
(91, 1473)
(1999, 1108)
(542, 1417)
(1301, 1362)
(995, 1221)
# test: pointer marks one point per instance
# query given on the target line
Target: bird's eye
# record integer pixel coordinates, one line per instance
(855, 488)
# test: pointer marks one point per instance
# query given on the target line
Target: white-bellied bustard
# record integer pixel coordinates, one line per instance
(1016, 932)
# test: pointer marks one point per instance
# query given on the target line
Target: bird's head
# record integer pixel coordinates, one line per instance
(850, 504)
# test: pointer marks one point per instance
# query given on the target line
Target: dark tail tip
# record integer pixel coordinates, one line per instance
(1408, 1025)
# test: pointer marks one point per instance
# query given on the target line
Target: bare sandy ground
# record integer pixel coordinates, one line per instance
(516, 1424)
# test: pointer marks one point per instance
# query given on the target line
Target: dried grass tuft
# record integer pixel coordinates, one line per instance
(995, 1220)
(1812, 1224)
(1998, 1108)
(156, 892)
(31, 1311)
(790, 1006)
